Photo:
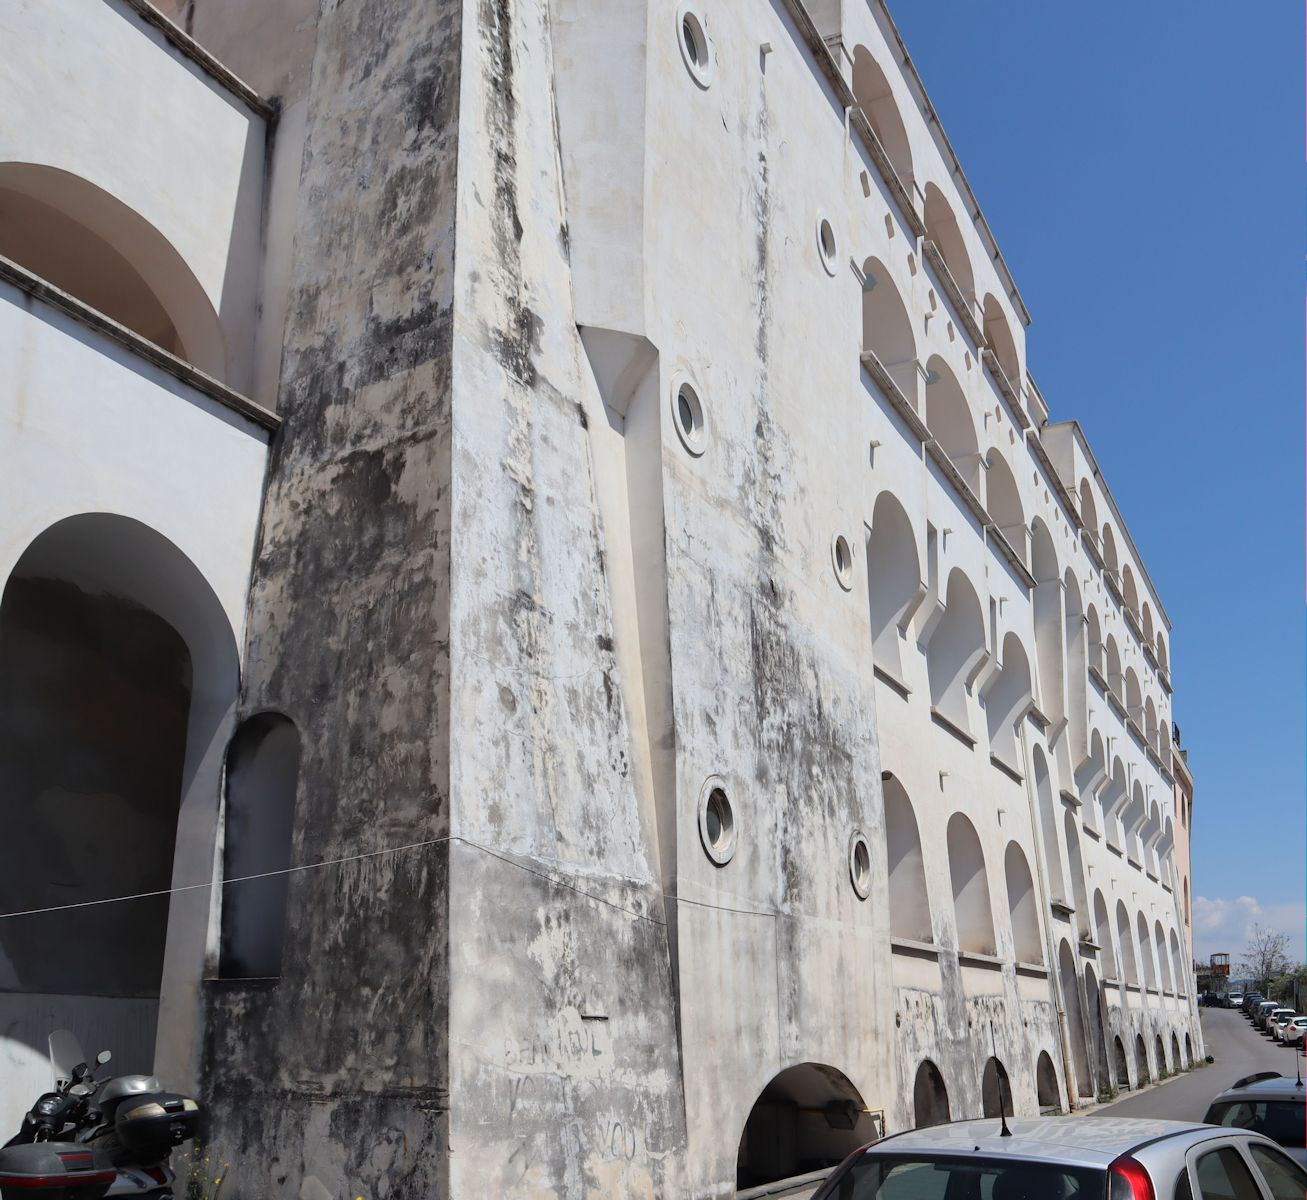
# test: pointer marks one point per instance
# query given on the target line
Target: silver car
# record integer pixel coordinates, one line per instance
(1269, 1104)
(1068, 1158)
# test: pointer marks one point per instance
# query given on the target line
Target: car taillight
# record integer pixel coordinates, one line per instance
(1127, 1180)
(158, 1174)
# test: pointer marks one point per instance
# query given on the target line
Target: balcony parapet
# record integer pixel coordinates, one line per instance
(142, 348)
(1006, 386)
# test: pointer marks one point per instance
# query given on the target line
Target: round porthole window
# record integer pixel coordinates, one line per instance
(841, 557)
(687, 415)
(860, 864)
(716, 822)
(696, 48)
(826, 246)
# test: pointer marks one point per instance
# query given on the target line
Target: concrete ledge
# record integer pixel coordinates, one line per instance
(795, 1185)
(973, 958)
(143, 348)
(914, 949)
(891, 681)
(956, 730)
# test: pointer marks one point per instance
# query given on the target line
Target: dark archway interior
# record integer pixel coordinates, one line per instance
(262, 772)
(995, 1090)
(1141, 1059)
(94, 702)
(1122, 1066)
(929, 1097)
(1047, 1094)
(807, 1118)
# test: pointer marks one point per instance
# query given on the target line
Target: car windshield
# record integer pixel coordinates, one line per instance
(937, 1177)
(1280, 1120)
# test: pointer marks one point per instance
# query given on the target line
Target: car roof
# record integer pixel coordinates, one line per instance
(1265, 1089)
(1090, 1142)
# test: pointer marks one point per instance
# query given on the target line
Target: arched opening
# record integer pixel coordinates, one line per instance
(118, 671)
(1103, 935)
(909, 903)
(929, 1097)
(88, 243)
(1126, 940)
(1069, 978)
(1177, 1063)
(1132, 821)
(809, 1117)
(894, 585)
(1046, 1089)
(998, 333)
(1188, 1051)
(1110, 562)
(1094, 638)
(1164, 740)
(1113, 655)
(995, 1090)
(1187, 922)
(1122, 1065)
(966, 862)
(1159, 1050)
(948, 417)
(1114, 797)
(1095, 1015)
(1164, 959)
(1088, 508)
(1134, 701)
(887, 328)
(1141, 1060)
(1048, 826)
(956, 650)
(1007, 701)
(872, 91)
(1129, 590)
(1003, 502)
(1147, 621)
(1077, 658)
(942, 229)
(1181, 974)
(1048, 622)
(1149, 971)
(1076, 869)
(1161, 653)
(262, 774)
(1023, 904)
(1090, 777)
(1150, 724)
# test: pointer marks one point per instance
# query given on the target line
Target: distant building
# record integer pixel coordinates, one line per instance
(565, 475)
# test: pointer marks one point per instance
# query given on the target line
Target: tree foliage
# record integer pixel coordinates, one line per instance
(1266, 956)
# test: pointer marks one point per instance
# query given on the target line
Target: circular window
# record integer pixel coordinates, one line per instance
(687, 415)
(716, 822)
(826, 244)
(841, 557)
(860, 864)
(696, 49)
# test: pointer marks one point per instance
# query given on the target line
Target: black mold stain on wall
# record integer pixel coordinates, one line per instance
(338, 1071)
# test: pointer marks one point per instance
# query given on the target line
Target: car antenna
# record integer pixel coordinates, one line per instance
(1004, 1131)
(1297, 1060)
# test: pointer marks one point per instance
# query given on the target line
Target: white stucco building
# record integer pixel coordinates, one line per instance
(565, 474)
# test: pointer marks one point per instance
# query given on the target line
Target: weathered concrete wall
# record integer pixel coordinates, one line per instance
(337, 1071)
(563, 1069)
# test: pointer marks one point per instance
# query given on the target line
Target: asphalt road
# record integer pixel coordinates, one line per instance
(1239, 1050)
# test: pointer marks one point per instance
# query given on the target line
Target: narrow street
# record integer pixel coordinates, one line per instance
(1239, 1050)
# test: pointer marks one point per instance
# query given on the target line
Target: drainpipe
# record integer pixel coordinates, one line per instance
(1050, 948)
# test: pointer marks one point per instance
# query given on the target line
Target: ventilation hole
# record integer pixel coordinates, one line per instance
(717, 822)
(695, 49)
(826, 245)
(687, 414)
(860, 865)
(842, 561)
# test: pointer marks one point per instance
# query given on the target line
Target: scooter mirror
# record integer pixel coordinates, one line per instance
(80, 1072)
(103, 1057)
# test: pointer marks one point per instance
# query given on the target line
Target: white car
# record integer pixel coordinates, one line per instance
(1293, 1031)
(1278, 1018)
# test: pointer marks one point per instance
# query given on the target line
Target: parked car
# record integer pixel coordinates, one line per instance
(1250, 1001)
(1067, 1158)
(1276, 1022)
(1234, 1000)
(1262, 1011)
(1269, 1104)
(1293, 1031)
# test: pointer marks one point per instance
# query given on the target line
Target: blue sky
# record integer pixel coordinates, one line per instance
(1141, 165)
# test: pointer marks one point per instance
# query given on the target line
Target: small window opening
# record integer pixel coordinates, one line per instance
(717, 823)
(842, 560)
(860, 865)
